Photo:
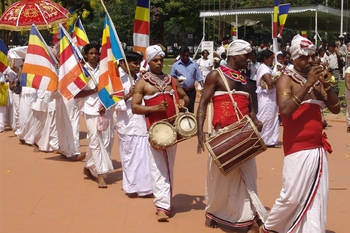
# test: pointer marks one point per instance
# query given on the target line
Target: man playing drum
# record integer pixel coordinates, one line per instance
(231, 200)
(156, 89)
(302, 205)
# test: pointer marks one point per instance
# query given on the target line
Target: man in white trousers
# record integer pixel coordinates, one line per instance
(302, 205)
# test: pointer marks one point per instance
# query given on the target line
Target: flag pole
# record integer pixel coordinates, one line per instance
(117, 37)
(78, 50)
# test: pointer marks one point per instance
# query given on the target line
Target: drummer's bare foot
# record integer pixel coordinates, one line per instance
(88, 174)
(162, 216)
(22, 141)
(101, 181)
(210, 222)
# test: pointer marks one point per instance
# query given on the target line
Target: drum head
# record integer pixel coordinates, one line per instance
(162, 135)
(186, 125)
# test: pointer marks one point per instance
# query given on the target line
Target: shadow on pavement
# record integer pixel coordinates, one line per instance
(186, 203)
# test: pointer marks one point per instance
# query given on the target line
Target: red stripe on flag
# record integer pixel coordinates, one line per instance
(36, 81)
(80, 41)
(141, 27)
(79, 83)
(38, 50)
(66, 53)
(3, 67)
(274, 29)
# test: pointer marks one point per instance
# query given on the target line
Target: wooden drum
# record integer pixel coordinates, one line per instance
(235, 144)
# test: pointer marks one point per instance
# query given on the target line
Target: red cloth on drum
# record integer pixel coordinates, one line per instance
(156, 116)
(303, 130)
(224, 113)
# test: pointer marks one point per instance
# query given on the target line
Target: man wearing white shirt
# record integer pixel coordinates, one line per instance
(98, 162)
(132, 135)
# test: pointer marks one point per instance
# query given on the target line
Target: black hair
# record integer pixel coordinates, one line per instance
(223, 55)
(266, 53)
(332, 44)
(87, 47)
(204, 50)
(285, 53)
(184, 49)
(280, 55)
(133, 56)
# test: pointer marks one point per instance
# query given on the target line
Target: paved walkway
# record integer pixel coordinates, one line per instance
(42, 192)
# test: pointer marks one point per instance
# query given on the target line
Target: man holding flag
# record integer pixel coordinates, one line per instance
(98, 162)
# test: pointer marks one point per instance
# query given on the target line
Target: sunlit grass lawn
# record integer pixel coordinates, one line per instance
(167, 65)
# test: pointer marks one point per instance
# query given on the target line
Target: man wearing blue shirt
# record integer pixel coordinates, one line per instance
(186, 71)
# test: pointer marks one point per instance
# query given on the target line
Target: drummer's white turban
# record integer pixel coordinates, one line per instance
(153, 51)
(238, 47)
(301, 46)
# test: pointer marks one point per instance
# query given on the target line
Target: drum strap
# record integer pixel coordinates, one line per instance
(240, 115)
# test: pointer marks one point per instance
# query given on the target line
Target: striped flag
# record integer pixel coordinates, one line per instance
(275, 18)
(110, 85)
(283, 13)
(4, 61)
(72, 78)
(142, 26)
(79, 35)
(41, 62)
(304, 34)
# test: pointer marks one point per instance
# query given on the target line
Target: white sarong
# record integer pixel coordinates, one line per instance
(100, 143)
(302, 205)
(267, 109)
(67, 121)
(232, 199)
(162, 174)
(268, 115)
(135, 161)
(25, 131)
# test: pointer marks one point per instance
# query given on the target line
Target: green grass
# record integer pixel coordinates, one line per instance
(167, 65)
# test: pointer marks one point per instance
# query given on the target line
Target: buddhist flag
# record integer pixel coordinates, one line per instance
(283, 13)
(110, 85)
(304, 34)
(72, 78)
(142, 26)
(275, 18)
(79, 35)
(4, 61)
(40, 64)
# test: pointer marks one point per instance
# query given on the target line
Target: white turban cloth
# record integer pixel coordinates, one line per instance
(153, 51)
(238, 47)
(301, 46)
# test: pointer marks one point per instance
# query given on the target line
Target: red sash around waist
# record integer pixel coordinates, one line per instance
(224, 113)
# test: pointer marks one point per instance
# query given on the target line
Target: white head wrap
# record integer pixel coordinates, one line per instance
(153, 51)
(301, 46)
(238, 47)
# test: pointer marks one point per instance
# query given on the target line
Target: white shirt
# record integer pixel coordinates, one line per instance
(91, 103)
(127, 122)
(333, 60)
(205, 66)
(220, 50)
(253, 67)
